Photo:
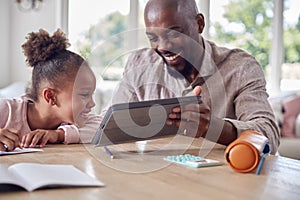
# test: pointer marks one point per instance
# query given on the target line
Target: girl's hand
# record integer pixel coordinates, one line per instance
(40, 137)
(9, 139)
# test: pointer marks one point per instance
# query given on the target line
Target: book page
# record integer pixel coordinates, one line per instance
(43, 175)
(6, 177)
(20, 150)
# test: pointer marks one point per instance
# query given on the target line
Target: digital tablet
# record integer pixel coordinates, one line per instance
(135, 121)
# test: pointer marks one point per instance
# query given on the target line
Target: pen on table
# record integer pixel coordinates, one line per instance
(19, 146)
(109, 152)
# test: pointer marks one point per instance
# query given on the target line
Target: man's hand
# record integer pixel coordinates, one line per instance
(197, 90)
(193, 119)
(9, 139)
(41, 137)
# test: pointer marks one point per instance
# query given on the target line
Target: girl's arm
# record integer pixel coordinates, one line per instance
(84, 134)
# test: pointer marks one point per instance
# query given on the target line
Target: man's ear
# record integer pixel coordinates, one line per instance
(200, 22)
(49, 96)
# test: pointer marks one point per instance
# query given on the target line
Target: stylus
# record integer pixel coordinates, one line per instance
(109, 152)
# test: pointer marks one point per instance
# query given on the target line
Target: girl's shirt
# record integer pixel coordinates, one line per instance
(14, 115)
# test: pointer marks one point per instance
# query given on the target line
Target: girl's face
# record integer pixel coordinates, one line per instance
(77, 97)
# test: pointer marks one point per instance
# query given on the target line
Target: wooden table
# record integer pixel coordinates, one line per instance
(139, 172)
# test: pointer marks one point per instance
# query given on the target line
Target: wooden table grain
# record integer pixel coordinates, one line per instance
(139, 172)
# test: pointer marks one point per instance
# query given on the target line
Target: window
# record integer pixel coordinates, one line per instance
(91, 26)
(248, 25)
(290, 71)
(105, 34)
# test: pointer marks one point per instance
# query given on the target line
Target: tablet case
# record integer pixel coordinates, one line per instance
(135, 121)
(247, 152)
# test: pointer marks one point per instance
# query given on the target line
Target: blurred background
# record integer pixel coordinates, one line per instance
(106, 32)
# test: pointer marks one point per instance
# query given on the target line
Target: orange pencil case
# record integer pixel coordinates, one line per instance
(248, 152)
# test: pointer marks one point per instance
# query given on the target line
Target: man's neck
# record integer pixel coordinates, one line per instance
(192, 75)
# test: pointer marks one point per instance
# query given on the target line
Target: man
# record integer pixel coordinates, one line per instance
(181, 62)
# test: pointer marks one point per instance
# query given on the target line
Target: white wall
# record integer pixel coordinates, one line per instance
(4, 43)
(16, 25)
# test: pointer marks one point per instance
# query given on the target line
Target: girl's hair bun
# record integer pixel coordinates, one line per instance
(40, 46)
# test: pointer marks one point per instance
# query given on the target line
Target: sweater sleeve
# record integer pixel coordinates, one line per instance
(5, 110)
(252, 108)
(71, 133)
(83, 134)
(90, 127)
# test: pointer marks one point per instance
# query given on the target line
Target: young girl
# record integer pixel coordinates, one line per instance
(57, 105)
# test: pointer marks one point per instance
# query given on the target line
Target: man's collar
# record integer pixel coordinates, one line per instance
(208, 66)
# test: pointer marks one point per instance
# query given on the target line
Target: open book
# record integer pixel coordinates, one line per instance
(20, 150)
(32, 176)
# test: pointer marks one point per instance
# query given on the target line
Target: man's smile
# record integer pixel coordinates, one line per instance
(172, 57)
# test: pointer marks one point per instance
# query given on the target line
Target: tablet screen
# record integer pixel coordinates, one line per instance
(135, 121)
